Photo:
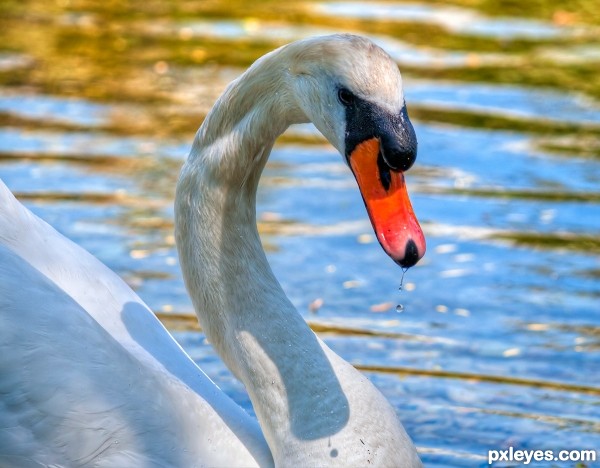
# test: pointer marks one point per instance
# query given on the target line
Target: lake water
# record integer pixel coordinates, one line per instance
(498, 342)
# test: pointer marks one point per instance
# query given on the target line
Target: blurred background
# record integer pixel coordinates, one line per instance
(498, 340)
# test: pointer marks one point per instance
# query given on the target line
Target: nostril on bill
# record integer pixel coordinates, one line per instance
(384, 171)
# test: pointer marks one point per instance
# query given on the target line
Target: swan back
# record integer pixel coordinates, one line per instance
(89, 375)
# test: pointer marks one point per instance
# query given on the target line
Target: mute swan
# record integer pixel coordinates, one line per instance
(89, 376)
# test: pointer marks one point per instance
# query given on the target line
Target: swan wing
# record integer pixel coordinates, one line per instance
(89, 376)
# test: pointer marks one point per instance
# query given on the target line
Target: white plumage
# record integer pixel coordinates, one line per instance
(89, 376)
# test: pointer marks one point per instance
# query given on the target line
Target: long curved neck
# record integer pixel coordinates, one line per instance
(300, 390)
(215, 205)
(240, 304)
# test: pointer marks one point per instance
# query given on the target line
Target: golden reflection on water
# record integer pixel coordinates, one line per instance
(186, 323)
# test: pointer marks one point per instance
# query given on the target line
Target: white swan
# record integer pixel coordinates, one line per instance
(89, 376)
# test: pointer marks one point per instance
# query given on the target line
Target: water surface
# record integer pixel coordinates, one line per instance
(499, 338)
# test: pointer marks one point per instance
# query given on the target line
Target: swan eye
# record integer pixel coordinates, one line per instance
(345, 97)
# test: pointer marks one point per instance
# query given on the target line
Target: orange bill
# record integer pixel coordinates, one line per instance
(385, 196)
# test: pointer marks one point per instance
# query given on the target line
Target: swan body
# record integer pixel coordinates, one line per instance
(88, 375)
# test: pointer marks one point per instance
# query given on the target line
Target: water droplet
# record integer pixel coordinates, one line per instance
(404, 270)
(399, 308)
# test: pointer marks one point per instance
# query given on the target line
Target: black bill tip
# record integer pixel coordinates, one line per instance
(411, 255)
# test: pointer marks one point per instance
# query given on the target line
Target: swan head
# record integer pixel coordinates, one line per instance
(352, 92)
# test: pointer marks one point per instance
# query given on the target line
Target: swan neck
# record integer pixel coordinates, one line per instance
(240, 305)
(224, 265)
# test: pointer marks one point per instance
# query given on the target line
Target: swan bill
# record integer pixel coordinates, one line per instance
(386, 199)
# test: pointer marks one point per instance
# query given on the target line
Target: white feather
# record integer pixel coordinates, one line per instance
(89, 376)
